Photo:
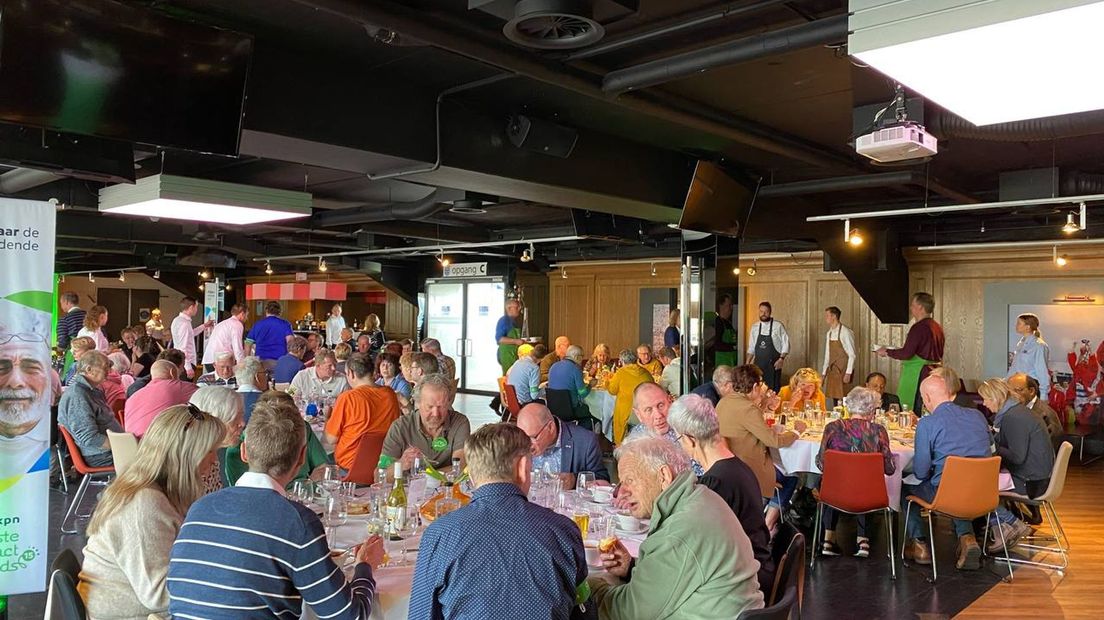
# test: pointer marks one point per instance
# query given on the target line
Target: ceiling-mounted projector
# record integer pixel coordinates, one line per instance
(898, 142)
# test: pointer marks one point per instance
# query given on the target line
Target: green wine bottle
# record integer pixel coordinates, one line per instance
(395, 507)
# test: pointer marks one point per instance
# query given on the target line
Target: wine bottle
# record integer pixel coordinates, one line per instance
(396, 505)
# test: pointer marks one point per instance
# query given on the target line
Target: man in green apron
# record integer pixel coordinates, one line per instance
(922, 351)
(508, 335)
(725, 345)
(768, 346)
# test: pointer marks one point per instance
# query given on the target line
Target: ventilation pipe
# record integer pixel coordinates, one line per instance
(946, 125)
(399, 211)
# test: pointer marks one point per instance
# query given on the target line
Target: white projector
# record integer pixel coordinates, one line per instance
(897, 143)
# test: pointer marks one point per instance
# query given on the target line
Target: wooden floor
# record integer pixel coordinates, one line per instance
(1041, 594)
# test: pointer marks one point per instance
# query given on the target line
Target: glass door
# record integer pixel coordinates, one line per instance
(480, 354)
(445, 316)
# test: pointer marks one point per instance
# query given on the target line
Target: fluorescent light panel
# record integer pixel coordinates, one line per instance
(1031, 67)
(199, 200)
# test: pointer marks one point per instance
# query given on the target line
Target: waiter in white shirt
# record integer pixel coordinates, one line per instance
(183, 334)
(839, 355)
(334, 325)
(768, 346)
(227, 337)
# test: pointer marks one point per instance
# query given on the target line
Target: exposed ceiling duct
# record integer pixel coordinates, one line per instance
(864, 181)
(944, 125)
(15, 181)
(654, 72)
(399, 211)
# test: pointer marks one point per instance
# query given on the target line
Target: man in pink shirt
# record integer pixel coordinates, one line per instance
(163, 391)
(184, 334)
(227, 337)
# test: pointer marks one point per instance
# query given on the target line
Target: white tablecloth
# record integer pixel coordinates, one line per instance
(801, 458)
(393, 584)
(601, 407)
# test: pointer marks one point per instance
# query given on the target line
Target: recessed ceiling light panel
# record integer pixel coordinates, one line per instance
(200, 200)
(989, 62)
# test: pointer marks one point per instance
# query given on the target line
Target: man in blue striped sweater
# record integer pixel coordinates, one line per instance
(249, 551)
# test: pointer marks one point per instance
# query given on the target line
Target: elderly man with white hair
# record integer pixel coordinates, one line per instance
(223, 373)
(671, 379)
(567, 375)
(699, 434)
(25, 396)
(84, 412)
(696, 562)
(252, 376)
(560, 447)
(446, 364)
(722, 385)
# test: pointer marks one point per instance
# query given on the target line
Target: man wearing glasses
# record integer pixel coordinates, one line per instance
(25, 396)
(558, 448)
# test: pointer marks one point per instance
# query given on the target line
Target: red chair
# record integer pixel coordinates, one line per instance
(101, 474)
(513, 406)
(854, 482)
(367, 457)
(119, 409)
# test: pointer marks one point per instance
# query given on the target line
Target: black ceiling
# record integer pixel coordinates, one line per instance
(333, 102)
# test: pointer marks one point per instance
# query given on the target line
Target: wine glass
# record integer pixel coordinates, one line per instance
(413, 525)
(334, 515)
(583, 482)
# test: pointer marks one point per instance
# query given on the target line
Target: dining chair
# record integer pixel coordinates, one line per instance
(283, 387)
(124, 447)
(513, 406)
(1045, 502)
(119, 410)
(788, 552)
(854, 483)
(366, 461)
(90, 475)
(967, 490)
(63, 601)
(782, 610)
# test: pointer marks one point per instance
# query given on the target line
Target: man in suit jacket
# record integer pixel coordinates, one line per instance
(564, 449)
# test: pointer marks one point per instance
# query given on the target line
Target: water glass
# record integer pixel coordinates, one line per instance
(302, 491)
(583, 482)
(331, 472)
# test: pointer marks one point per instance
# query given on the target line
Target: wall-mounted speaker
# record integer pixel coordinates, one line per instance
(541, 136)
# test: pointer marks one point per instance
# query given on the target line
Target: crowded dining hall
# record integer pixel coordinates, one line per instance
(550, 309)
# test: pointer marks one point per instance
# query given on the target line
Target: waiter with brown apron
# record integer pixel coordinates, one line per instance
(768, 346)
(839, 356)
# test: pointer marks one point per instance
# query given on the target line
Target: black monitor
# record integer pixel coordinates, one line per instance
(124, 72)
(716, 202)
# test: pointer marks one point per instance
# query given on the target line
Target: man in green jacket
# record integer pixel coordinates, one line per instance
(696, 562)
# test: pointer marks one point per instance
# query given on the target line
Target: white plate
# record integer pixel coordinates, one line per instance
(595, 500)
(643, 528)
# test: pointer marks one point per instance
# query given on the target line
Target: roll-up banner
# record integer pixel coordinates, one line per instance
(26, 391)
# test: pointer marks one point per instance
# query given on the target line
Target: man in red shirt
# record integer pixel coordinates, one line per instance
(364, 410)
(164, 390)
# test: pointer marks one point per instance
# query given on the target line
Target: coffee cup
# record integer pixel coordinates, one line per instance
(601, 494)
(593, 556)
(628, 523)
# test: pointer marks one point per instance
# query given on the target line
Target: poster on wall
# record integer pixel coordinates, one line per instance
(26, 391)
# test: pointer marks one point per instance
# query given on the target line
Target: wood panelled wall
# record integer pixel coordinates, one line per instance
(601, 303)
(799, 290)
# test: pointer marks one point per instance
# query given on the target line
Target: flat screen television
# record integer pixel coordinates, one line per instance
(101, 68)
(716, 202)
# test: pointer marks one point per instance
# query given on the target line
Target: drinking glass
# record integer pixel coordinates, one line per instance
(582, 519)
(583, 482)
(413, 525)
(302, 491)
(334, 515)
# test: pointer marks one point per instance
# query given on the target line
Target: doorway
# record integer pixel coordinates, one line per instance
(462, 315)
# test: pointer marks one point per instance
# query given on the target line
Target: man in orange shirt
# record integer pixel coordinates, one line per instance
(364, 410)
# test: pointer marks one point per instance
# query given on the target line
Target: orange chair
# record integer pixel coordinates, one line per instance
(88, 473)
(510, 399)
(119, 409)
(368, 453)
(967, 490)
(854, 482)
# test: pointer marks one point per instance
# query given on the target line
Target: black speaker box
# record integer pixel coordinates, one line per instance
(541, 136)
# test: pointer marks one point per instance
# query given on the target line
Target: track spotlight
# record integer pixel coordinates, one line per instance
(204, 274)
(851, 235)
(563, 272)
(90, 278)
(322, 265)
(157, 275)
(122, 276)
(228, 287)
(1062, 260)
(268, 267)
(61, 279)
(1071, 226)
(528, 254)
(754, 269)
(653, 270)
(441, 258)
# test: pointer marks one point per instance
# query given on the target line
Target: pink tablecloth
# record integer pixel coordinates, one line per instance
(801, 458)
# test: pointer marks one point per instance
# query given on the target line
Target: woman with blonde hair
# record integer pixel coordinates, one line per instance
(130, 537)
(804, 388)
(374, 331)
(601, 359)
(1032, 353)
(228, 406)
(94, 321)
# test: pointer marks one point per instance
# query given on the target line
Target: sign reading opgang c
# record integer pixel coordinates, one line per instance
(465, 270)
(26, 391)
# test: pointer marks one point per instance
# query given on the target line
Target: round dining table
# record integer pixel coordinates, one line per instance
(394, 583)
(800, 457)
(601, 404)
